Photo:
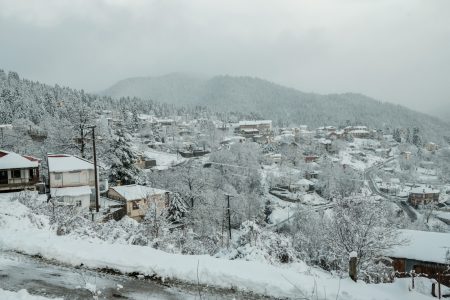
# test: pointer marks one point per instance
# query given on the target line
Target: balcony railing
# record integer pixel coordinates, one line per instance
(18, 182)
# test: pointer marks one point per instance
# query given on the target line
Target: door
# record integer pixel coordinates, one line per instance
(3, 177)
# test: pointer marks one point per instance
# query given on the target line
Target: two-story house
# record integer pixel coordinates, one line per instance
(71, 179)
(18, 172)
(250, 128)
(423, 195)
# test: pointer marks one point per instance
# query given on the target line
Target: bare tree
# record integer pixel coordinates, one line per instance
(80, 115)
(362, 225)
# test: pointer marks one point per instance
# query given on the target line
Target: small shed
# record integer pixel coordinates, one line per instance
(139, 198)
(423, 252)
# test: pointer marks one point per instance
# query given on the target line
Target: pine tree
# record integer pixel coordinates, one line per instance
(177, 208)
(267, 211)
(123, 159)
(408, 136)
(397, 136)
(416, 139)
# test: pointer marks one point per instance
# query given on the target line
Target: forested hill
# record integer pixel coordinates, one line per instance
(286, 106)
(49, 118)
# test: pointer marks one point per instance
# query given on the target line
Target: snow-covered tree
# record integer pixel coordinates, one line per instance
(177, 209)
(123, 160)
(397, 135)
(338, 181)
(362, 225)
(416, 138)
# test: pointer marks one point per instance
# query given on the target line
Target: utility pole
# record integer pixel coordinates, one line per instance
(95, 169)
(229, 217)
(352, 271)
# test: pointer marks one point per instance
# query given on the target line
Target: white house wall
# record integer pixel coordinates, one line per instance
(67, 179)
(72, 200)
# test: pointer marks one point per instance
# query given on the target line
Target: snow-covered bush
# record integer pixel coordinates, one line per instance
(63, 218)
(379, 271)
(256, 243)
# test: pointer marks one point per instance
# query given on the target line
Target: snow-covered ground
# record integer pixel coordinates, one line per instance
(164, 160)
(20, 295)
(283, 210)
(357, 161)
(23, 231)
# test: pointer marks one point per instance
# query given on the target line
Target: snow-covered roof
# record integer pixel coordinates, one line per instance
(325, 142)
(233, 138)
(165, 120)
(359, 131)
(338, 132)
(135, 191)
(304, 181)
(11, 160)
(424, 190)
(145, 117)
(67, 163)
(395, 180)
(249, 130)
(259, 122)
(423, 245)
(70, 191)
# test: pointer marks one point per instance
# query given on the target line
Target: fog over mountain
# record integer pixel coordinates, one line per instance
(286, 106)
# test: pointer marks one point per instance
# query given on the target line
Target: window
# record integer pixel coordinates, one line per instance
(32, 174)
(135, 205)
(16, 173)
(78, 203)
(57, 176)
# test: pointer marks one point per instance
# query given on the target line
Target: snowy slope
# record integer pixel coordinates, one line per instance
(20, 295)
(22, 231)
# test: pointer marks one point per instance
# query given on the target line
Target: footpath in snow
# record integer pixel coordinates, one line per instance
(19, 232)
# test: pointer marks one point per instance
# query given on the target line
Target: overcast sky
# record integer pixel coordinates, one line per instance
(393, 50)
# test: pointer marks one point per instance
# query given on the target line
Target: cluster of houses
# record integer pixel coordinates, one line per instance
(71, 181)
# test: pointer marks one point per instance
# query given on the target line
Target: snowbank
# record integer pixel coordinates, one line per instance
(20, 295)
(19, 231)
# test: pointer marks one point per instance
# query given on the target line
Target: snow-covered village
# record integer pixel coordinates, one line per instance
(184, 186)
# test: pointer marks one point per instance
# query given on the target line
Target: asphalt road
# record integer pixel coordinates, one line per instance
(401, 203)
(45, 278)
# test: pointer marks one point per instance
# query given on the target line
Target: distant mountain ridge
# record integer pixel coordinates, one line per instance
(286, 106)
